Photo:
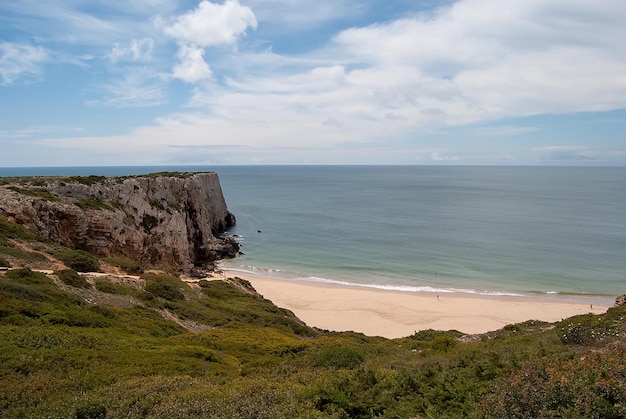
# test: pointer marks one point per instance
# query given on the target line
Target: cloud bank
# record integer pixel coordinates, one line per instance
(418, 86)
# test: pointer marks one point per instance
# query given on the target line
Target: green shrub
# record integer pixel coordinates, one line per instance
(22, 255)
(94, 204)
(111, 288)
(78, 260)
(80, 316)
(20, 292)
(339, 357)
(182, 175)
(10, 230)
(589, 329)
(35, 192)
(590, 386)
(431, 334)
(127, 265)
(443, 343)
(85, 180)
(28, 276)
(72, 278)
(91, 411)
(164, 286)
(108, 287)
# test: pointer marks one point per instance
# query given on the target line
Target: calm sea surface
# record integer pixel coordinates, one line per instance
(487, 230)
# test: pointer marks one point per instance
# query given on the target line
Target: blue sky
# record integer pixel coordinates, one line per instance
(154, 82)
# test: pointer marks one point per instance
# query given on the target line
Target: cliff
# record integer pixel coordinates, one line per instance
(169, 220)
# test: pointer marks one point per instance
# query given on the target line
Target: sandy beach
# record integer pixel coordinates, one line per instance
(394, 314)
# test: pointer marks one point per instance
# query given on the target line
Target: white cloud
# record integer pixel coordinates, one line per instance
(304, 14)
(437, 156)
(212, 24)
(137, 50)
(565, 153)
(500, 58)
(67, 22)
(503, 131)
(19, 61)
(192, 68)
(209, 24)
(384, 85)
(138, 86)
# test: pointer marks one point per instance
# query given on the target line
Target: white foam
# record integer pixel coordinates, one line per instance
(263, 271)
(407, 288)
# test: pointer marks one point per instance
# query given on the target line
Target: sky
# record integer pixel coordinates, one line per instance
(177, 82)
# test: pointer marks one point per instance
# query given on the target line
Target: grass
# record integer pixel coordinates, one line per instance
(35, 192)
(181, 175)
(108, 287)
(84, 180)
(72, 278)
(10, 230)
(8, 250)
(94, 204)
(164, 286)
(127, 265)
(78, 260)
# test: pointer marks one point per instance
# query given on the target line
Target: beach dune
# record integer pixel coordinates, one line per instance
(394, 314)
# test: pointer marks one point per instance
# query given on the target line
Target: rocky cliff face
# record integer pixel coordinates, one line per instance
(168, 220)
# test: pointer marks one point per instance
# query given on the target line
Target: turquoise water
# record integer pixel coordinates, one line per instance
(487, 230)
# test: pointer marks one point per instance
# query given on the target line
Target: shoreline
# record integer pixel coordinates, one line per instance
(395, 314)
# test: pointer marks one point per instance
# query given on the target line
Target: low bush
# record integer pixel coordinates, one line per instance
(72, 278)
(28, 276)
(9, 250)
(339, 357)
(108, 287)
(590, 386)
(85, 180)
(91, 411)
(4, 263)
(78, 260)
(165, 286)
(94, 204)
(20, 292)
(10, 230)
(80, 316)
(35, 192)
(589, 329)
(127, 265)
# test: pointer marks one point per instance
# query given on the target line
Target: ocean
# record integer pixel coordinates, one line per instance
(552, 231)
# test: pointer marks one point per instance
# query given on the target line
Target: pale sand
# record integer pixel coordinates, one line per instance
(394, 314)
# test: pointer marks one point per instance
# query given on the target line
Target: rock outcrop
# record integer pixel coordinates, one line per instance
(620, 301)
(172, 220)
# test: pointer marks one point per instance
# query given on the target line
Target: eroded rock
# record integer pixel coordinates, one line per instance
(168, 221)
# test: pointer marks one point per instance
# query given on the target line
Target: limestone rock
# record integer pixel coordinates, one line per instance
(168, 220)
(621, 300)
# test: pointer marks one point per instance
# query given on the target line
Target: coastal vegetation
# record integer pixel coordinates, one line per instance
(35, 192)
(159, 345)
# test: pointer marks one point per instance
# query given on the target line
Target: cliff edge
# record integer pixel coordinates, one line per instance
(167, 220)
